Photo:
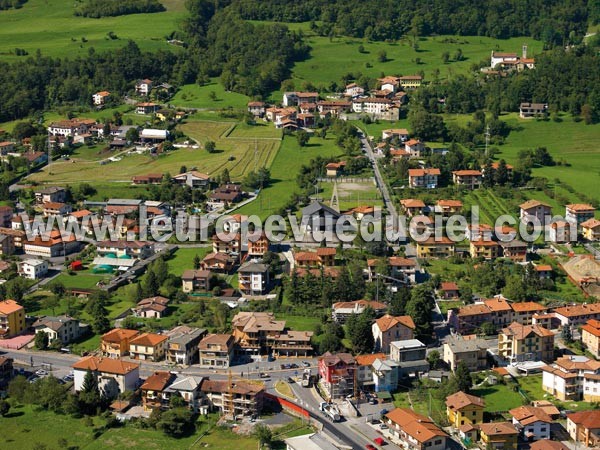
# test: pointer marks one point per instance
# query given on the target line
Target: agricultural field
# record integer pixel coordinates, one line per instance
(286, 165)
(52, 27)
(238, 154)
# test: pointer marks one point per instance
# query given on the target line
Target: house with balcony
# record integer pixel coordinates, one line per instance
(414, 431)
(234, 398)
(572, 378)
(254, 332)
(535, 212)
(472, 352)
(153, 391)
(182, 344)
(113, 376)
(485, 249)
(523, 312)
(254, 278)
(533, 423)
(115, 343)
(579, 212)
(471, 179)
(216, 351)
(463, 409)
(590, 229)
(148, 347)
(423, 178)
(518, 343)
(12, 319)
(62, 328)
(292, 344)
(514, 250)
(435, 248)
(152, 307)
(337, 374)
(499, 435)
(389, 328)
(196, 280)
(584, 427)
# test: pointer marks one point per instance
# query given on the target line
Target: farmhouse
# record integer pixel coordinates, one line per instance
(146, 108)
(535, 212)
(353, 90)
(529, 110)
(100, 98)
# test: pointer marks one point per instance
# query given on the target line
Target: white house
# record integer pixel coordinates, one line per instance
(114, 376)
(375, 106)
(33, 269)
(253, 278)
(99, 98)
(532, 422)
(143, 87)
(534, 211)
(354, 90)
(64, 328)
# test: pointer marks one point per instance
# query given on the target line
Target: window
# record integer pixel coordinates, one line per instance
(438, 442)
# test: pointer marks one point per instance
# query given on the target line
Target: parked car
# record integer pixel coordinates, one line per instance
(383, 426)
(370, 447)
(305, 363)
(41, 373)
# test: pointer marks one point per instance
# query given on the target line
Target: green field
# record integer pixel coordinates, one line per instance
(351, 195)
(284, 170)
(195, 96)
(330, 59)
(183, 259)
(49, 25)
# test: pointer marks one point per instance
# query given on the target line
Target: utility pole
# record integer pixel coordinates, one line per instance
(487, 139)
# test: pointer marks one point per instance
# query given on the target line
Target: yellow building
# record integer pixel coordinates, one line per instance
(484, 249)
(517, 343)
(499, 435)
(115, 343)
(463, 409)
(590, 336)
(12, 319)
(435, 248)
(590, 229)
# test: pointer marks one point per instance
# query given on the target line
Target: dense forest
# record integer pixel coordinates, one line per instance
(8, 4)
(102, 8)
(552, 21)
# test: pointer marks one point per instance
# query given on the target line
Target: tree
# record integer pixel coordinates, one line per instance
(99, 313)
(225, 178)
(58, 288)
(151, 284)
(210, 146)
(183, 169)
(566, 334)
(177, 401)
(196, 262)
(89, 396)
(264, 434)
(330, 343)
(17, 388)
(41, 340)
(587, 114)
(303, 137)
(213, 96)
(4, 407)
(132, 135)
(458, 56)
(176, 422)
(434, 359)
(382, 56)
(358, 327)
(462, 376)
(361, 48)
(419, 308)
(487, 329)
(445, 57)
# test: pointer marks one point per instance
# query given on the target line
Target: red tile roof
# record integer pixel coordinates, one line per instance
(105, 365)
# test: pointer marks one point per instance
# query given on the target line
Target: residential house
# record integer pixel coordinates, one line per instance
(151, 178)
(529, 110)
(257, 109)
(584, 427)
(151, 307)
(292, 344)
(227, 193)
(518, 343)
(462, 408)
(364, 369)
(337, 374)
(193, 179)
(152, 135)
(401, 134)
(33, 269)
(473, 352)
(12, 319)
(514, 250)
(334, 108)
(479, 232)
(499, 435)
(590, 336)
(217, 262)
(153, 391)
(70, 128)
(258, 244)
(536, 213)
(385, 374)
(319, 217)
(533, 423)
(448, 290)
(255, 332)
(7, 244)
(234, 398)
(471, 179)
(562, 232)
(590, 229)
(216, 350)
(253, 278)
(411, 81)
(547, 444)
(6, 371)
(6, 147)
(148, 347)
(6, 214)
(448, 207)
(115, 343)
(327, 256)
(411, 357)
(423, 178)
(123, 249)
(51, 194)
(313, 441)
(143, 87)
(340, 311)
(572, 378)
(146, 108)
(403, 268)
(577, 314)
(412, 207)
(100, 98)
(376, 107)
(543, 271)
(484, 249)
(297, 98)
(335, 169)
(523, 312)
(353, 90)
(389, 83)
(113, 377)
(415, 147)
(230, 244)
(183, 343)
(389, 328)
(195, 280)
(190, 389)
(435, 248)
(579, 213)
(51, 245)
(414, 431)
(62, 328)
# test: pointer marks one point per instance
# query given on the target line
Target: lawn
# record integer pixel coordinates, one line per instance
(301, 323)
(331, 58)
(351, 195)
(52, 27)
(183, 259)
(500, 397)
(286, 166)
(196, 96)
(81, 280)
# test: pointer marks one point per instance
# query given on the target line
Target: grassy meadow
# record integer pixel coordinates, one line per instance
(195, 96)
(51, 26)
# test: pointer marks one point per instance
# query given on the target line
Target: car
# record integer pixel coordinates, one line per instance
(68, 378)
(370, 447)
(33, 379)
(305, 364)
(264, 375)
(41, 373)
(294, 366)
(373, 401)
(383, 426)
(383, 412)
(290, 380)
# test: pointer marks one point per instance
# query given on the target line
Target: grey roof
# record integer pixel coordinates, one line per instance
(53, 322)
(253, 267)
(316, 206)
(50, 190)
(123, 202)
(467, 345)
(420, 364)
(513, 243)
(384, 365)
(185, 338)
(182, 383)
(408, 343)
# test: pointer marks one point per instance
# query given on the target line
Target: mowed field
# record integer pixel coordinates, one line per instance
(51, 26)
(243, 147)
(196, 96)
